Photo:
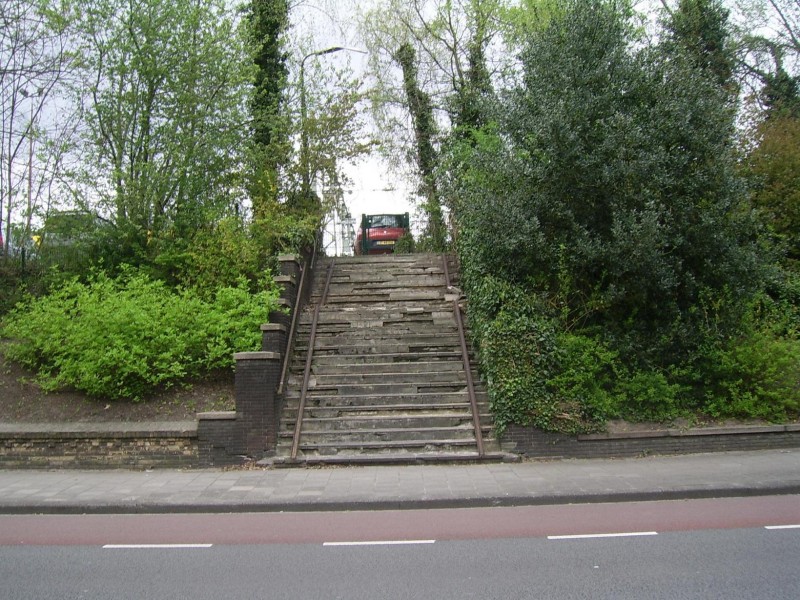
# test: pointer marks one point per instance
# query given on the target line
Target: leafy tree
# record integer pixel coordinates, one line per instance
(617, 197)
(267, 23)
(419, 105)
(166, 88)
(699, 29)
(451, 68)
(34, 62)
(774, 166)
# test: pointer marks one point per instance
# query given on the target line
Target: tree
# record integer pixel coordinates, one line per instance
(774, 167)
(267, 23)
(443, 46)
(33, 62)
(419, 106)
(699, 29)
(166, 92)
(610, 189)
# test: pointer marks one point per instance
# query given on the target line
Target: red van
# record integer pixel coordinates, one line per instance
(378, 234)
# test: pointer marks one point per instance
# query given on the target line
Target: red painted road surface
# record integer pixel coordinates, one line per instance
(442, 524)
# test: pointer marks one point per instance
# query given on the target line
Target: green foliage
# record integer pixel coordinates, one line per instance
(774, 171)
(125, 337)
(699, 30)
(607, 252)
(756, 376)
(165, 102)
(405, 245)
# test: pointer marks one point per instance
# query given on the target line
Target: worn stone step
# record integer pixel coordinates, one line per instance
(439, 323)
(369, 410)
(336, 447)
(384, 333)
(419, 340)
(440, 394)
(338, 418)
(368, 359)
(340, 380)
(399, 313)
(313, 437)
(392, 457)
(384, 389)
(358, 422)
(440, 366)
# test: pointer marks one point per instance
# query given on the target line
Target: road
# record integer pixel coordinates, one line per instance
(677, 549)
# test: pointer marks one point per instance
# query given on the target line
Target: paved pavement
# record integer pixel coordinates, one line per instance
(395, 487)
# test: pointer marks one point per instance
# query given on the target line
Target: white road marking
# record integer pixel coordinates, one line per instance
(782, 527)
(381, 543)
(600, 535)
(154, 546)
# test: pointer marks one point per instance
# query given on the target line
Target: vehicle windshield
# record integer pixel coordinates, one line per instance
(374, 221)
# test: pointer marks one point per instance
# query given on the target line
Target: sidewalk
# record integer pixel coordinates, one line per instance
(404, 487)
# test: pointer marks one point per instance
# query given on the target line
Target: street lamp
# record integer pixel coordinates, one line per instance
(304, 158)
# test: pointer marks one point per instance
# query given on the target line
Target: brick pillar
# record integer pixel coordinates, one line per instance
(273, 337)
(256, 383)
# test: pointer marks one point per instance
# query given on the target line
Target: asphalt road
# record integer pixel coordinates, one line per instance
(679, 549)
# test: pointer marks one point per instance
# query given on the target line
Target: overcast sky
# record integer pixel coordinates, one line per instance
(324, 23)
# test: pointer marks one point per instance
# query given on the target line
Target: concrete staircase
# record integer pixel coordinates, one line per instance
(387, 381)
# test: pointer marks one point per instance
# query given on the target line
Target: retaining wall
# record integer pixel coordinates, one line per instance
(534, 443)
(99, 445)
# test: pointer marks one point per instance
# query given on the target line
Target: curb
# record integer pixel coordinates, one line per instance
(402, 504)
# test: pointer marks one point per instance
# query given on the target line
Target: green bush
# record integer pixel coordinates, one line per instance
(125, 337)
(757, 376)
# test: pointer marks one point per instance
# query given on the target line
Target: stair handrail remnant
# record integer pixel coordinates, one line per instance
(476, 419)
(306, 267)
(298, 426)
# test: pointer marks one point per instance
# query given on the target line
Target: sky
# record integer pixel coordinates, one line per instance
(320, 24)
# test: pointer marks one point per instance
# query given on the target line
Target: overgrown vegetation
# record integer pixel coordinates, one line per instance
(128, 336)
(612, 264)
(174, 186)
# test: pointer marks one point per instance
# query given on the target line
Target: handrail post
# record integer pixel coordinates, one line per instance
(476, 419)
(298, 426)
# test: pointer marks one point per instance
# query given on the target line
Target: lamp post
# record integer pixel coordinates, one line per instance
(304, 158)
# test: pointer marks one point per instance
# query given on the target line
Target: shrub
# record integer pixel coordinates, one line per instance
(755, 376)
(125, 337)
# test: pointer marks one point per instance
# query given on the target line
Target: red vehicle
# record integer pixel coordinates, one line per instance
(378, 234)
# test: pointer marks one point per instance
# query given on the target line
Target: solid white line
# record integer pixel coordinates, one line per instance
(381, 543)
(782, 527)
(153, 546)
(600, 535)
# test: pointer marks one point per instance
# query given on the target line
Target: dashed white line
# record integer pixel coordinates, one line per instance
(381, 543)
(782, 527)
(586, 536)
(154, 546)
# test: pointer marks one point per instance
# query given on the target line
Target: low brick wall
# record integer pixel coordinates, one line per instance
(535, 443)
(99, 445)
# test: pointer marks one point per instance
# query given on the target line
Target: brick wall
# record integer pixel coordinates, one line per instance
(99, 445)
(534, 443)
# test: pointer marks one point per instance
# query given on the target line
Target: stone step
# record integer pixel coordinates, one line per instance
(398, 295)
(419, 340)
(392, 457)
(432, 323)
(342, 380)
(382, 389)
(359, 421)
(389, 435)
(454, 364)
(440, 394)
(376, 318)
(366, 359)
(336, 447)
(383, 333)
(341, 283)
(416, 416)
(385, 409)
